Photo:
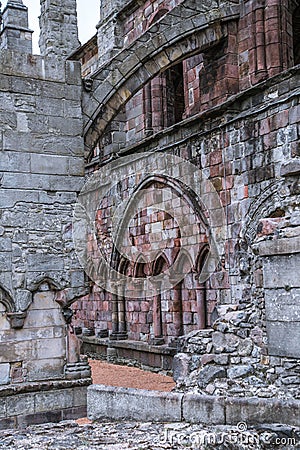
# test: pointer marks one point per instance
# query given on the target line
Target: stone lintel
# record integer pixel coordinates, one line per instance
(283, 246)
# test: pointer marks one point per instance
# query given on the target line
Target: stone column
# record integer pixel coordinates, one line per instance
(147, 109)
(157, 321)
(115, 324)
(260, 44)
(59, 30)
(121, 308)
(121, 334)
(118, 315)
(201, 306)
(15, 34)
(177, 310)
(157, 100)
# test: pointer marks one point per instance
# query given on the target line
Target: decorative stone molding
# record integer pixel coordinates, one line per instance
(17, 319)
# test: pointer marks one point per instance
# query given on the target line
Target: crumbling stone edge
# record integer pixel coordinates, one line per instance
(116, 403)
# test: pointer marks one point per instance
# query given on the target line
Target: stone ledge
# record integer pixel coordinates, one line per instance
(262, 410)
(290, 168)
(116, 403)
(42, 386)
(132, 345)
(137, 404)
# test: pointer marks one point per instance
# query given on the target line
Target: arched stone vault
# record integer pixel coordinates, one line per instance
(188, 29)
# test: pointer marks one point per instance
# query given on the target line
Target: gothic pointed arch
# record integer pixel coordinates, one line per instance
(160, 264)
(140, 268)
(164, 182)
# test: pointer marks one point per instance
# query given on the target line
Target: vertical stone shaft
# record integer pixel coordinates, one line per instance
(157, 320)
(177, 310)
(121, 309)
(15, 34)
(59, 30)
(201, 306)
(115, 323)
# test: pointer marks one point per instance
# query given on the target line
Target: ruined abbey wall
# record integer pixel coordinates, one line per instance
(163, 84)
(41, 161)
(216, 84)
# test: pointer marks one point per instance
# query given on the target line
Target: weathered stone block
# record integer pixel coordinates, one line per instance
(4, 373)
(284, 339)
(282, 271)
(181, 363)
(209, 374)
(258, 411)
(5, 245)
(203, 409)
(45, 300)
(118, 403)
(282, 305)
(49, 401)
(45, 369)
(23, 299)
(2, 407)
(41, 262)
(239, 371)
(80, 396)
(20, 404)
(49, 164)
(44, 318)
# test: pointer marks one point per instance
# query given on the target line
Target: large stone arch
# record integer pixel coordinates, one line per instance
(188, 29)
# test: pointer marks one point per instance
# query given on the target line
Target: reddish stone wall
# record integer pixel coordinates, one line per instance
(165, 316)
(237, 125)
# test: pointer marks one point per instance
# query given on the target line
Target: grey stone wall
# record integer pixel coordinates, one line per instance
(42, 170)
(15, 34)
(38, 403)
(59, 32)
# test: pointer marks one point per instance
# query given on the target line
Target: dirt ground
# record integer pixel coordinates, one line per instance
(132, 377)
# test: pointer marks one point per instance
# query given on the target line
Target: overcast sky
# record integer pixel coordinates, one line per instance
(88, 17)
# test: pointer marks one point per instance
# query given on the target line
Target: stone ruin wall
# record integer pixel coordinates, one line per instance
(239, 102)
(241, 128)
(42, 377)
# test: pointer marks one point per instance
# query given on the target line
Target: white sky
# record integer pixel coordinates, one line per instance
(88, 16)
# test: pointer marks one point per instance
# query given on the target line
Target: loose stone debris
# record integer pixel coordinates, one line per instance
(149, 436)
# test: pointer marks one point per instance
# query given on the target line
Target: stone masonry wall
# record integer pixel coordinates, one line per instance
(240, 127)
(41, 172)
